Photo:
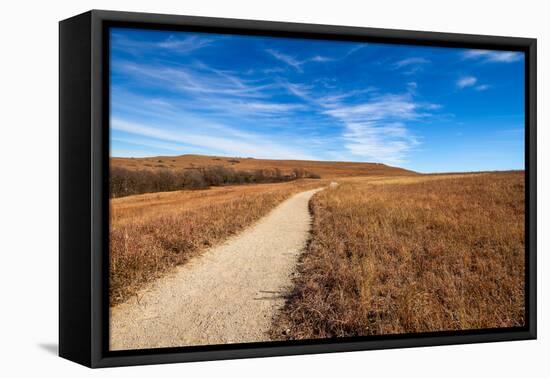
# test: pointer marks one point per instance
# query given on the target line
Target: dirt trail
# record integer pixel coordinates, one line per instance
(227, 295)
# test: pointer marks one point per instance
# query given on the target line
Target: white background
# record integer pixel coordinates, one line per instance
(29, 187)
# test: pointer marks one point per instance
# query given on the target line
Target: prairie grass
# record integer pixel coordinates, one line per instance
(428, 253)
(150, 234)
(325, 169)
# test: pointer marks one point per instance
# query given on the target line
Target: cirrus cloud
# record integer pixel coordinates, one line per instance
(493, 56)
(466, 81)
(377, 129)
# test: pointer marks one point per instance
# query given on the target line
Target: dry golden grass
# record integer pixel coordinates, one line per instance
(428, 253)
(326, 169)
(152, 233)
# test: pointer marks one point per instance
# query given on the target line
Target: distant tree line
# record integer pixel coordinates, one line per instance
(125, 182)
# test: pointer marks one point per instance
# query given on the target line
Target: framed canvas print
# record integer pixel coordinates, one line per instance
(233, 188)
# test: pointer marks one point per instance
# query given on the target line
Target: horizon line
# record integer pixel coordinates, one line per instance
(318, 161)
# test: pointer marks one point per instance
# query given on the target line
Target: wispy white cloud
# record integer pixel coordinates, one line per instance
(388, 144)
(473, 82)
(354, 49)
(412, 86)
(173, 44)
(287, 59)
(185, 44)
(251, 109)
(214, 100)
(319, 58)
(268, 107)
(294, 62)
(482, 87)
(376, 129)
(411, 65)
(297, 89)
(429, 106)
(117, 151)
(336, 98)
(466, 81)
(395, 106)
(192, 80)
(224, 142)
(159, 102)
(410, 61)
(368, 125)
(172, 95)
(492, 56)
(273, 70)
(147, 142)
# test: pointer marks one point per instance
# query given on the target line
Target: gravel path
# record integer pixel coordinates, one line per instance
(227, 295)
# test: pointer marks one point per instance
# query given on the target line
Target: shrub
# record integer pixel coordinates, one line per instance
(193, 179)
(125, 182)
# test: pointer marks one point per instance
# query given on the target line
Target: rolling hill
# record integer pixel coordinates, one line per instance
(326, 169)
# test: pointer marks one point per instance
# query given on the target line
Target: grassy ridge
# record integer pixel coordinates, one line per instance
(325, 169)
(415, 255)
(152, 233)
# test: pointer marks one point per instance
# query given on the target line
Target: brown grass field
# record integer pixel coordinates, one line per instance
(152, 233)
(325, 169)
(415, 254)
(391, 251)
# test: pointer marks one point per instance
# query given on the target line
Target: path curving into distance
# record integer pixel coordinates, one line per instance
(229, 294)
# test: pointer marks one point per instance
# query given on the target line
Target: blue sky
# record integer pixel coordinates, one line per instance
(429, 109)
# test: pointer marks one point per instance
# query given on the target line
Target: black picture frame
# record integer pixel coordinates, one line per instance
(84, 202)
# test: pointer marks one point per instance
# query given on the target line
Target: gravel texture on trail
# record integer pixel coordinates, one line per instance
(229, 294)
